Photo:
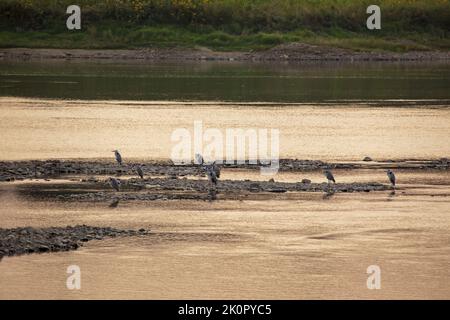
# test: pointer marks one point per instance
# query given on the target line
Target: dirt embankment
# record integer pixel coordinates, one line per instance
(293, 52)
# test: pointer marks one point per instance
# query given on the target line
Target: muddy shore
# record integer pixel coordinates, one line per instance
(293, 52)
(26, 240)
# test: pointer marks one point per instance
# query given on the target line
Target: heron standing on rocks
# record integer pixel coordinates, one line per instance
(139, 171)
(115, 184)
(329, 176)
(212, 177)
(118, 156)
(199, 159)
(216, 169)
(391, 177)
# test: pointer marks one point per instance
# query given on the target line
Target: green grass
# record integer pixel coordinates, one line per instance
(226, 24)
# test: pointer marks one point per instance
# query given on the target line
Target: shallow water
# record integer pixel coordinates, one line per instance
(288, 246)
(42, 129)
(293, 245)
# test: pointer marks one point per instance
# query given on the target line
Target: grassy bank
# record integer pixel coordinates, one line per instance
(226, 25)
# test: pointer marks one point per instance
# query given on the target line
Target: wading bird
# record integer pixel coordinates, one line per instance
(139, 171)
(216, 169)
(115, 184)
(391, 177)
(329, 176)
(212, 177)
(199, 159)
(118, 156)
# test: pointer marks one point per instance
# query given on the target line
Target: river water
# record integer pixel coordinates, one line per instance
(294, 245)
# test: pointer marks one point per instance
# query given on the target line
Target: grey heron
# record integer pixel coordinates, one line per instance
(212, 177)
(115, 183)
(391, 177)
(199, 159)
(329, 176)
(118, 156)
(139, 171)
(216, 169)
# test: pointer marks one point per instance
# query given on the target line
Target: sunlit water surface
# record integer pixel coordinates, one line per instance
(290, 246)
(294, 245)
(41, 129)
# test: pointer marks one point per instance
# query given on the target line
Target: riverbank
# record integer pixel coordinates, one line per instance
(226, 25)
(292, 52)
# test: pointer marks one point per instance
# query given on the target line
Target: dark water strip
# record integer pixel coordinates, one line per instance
(212, 81)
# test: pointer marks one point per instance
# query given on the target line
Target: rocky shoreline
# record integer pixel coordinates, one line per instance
(291, 52)
(19, 241)
(189, 189)
(42, 169)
